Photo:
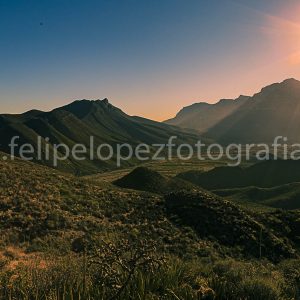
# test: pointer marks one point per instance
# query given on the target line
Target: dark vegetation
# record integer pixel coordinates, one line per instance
(149, 235)
(145, 179)
(264, 174)
(64, 238)
(285, 196)
(229, 224)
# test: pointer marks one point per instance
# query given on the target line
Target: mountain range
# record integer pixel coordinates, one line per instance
(274, 111)
(152, 232)
(77, 122)
(202, 116)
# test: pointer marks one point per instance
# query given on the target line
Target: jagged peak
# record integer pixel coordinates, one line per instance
(90, 101)
(83, 107)
(242, 97)
(289, 82)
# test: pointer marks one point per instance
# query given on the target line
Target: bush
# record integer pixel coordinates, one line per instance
(246, 280)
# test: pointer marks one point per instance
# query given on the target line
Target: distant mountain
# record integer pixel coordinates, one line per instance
(202, 116)
(274, 111)
(77, 122)
(263, 174)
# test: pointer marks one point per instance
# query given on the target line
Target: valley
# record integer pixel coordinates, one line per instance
(165, 229)
(55, 214)
(150, 150)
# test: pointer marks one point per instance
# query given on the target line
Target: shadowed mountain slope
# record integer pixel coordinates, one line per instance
(77, 122)
(274, 111)
(202, 116)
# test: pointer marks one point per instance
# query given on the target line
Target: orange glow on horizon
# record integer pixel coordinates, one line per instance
(270, 52)
(283, 34)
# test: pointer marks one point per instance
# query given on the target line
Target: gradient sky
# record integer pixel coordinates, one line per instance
(150, 58)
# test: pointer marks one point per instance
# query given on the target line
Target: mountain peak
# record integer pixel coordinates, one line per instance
(83, 107)
(242, 97)
(105, 101)
(275, 111)
(287, 83)
(90, 101)
(291, 80)
(201, 116)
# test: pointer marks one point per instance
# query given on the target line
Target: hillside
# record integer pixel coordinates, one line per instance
(45, 210)
(274, 111)
(145, 179)
(69, 236)
(77, 122)
(263, 174)
(227, 223)
(52, 210)
(202, 116)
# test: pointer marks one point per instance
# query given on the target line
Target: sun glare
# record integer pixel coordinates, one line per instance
(285, 34)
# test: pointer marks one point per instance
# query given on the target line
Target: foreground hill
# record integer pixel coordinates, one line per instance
(274, 111)
(45, 210)
(263, 174)
(77, 122)
(78, 238)
(202, 116)
(212, 216)
(51, 210)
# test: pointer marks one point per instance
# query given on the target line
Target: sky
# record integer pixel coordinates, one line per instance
(150, 58)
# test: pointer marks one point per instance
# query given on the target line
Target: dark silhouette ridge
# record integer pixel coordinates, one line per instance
(80, 120)
(202, 116)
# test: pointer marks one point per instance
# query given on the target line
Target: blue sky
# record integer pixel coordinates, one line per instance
(150, 58)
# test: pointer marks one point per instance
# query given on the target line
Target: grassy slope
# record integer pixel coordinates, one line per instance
(47, 212)
(145, 179)
(43, 209)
